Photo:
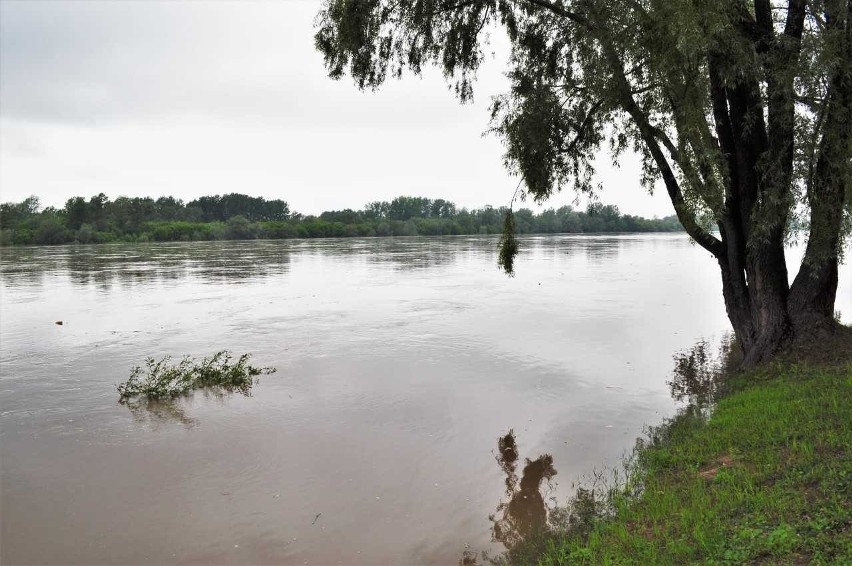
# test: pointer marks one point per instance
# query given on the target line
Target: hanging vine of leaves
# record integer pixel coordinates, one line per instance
(508, 244)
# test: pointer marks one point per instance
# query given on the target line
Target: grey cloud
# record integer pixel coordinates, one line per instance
(193, 98)
(106, 62)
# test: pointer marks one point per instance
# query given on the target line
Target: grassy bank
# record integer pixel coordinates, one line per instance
(767, 479)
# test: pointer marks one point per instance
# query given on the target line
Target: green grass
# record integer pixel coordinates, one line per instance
(163, 380)
(767, 479)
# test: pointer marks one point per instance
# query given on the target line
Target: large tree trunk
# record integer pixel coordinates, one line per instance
(764, 315)
(755, 129)
(757, 309)
(765, 312)
(754, 270)
(811, 303)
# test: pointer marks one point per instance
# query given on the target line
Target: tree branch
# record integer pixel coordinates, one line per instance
(562, 12)
(780, 71)
(754, 30)
(794, 26)
(581, 131)
(763, 15)
(649, 136)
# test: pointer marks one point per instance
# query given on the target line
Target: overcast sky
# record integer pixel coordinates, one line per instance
(195, 98)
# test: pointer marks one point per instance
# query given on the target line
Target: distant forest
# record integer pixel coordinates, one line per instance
(241, 217)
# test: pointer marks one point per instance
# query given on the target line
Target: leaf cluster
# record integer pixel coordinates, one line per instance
(161, 379)
(638, 75)
(508, 244)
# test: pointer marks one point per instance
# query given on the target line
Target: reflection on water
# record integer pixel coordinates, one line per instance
(698, 377)
(593, 250)
(104, 266)
(175, 411)
(525, 513)
(146, 411)
(107, 265)
(402, 359)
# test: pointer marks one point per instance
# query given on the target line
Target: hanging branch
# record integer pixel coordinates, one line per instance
(508, 243)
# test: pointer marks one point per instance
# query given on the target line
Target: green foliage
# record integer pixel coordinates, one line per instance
(50, 231)
(240, 228)
(12, 214)
(76, 212)
(164, 380)
(508, 245)
(86, 234)
(167, 220)
(741, 110)
(222, 208)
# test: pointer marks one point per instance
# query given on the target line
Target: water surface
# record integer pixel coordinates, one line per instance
(400, 364)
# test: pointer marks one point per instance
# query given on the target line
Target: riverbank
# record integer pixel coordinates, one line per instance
(766, 479)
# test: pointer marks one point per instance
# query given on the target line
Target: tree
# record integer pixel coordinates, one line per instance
(169, 208)
(741, 109)
(51, 231)
(239, 228)
(403, 208)
(13, 213)
(221, 208)
(76, 212)
(95, 210)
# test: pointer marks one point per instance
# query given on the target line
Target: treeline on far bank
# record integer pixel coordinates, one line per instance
(241, 217)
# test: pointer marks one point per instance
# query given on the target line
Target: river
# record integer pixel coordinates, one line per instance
(401, 361)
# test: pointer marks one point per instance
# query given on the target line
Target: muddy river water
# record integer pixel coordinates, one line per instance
(401, 362)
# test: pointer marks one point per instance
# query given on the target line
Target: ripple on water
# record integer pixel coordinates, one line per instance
(401, 361)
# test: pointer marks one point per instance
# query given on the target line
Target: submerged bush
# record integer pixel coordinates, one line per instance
(164, 380)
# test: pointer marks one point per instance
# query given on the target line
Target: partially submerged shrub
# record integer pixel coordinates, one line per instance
(163, 380)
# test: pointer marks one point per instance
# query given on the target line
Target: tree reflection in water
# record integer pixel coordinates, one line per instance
(698, 377)
(170, 411)
(525, 513)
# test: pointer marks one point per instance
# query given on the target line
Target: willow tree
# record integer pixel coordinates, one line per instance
(741, 109)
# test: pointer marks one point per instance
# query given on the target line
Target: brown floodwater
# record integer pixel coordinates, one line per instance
(403, 364)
